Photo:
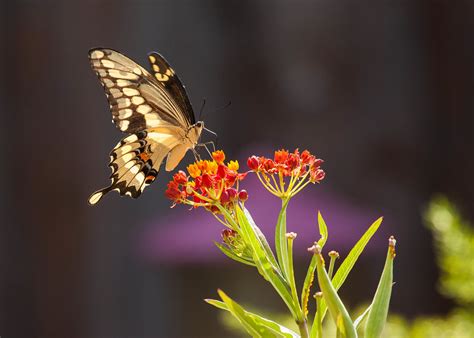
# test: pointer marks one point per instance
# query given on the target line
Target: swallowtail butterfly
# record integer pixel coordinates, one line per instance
(153, 109)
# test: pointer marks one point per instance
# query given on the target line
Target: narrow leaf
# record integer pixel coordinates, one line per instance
(338, 312)
(323, 230)
(281, 246)
(379, 308)
(361, 318)
(261, 237)
(232, 255)
(264, 263)
(308, 281)
(263, 326)
(351, 259)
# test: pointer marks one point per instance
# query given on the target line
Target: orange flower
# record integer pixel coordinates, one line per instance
(210, 184)
(218, 156)
(233, 165)
(193, 170)
(280, 156)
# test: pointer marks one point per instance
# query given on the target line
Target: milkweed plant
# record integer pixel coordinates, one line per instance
(215, 186)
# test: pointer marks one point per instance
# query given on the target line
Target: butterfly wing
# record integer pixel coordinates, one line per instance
(135, 161)
(163, 72)
(139, 100)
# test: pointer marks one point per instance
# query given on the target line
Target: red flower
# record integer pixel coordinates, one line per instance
(173, 191)
(268, 165)
(180, 177)
(299, 166)
(207, 181)
(221, 171)
(292, 162)
(280, 156)
(253, 162)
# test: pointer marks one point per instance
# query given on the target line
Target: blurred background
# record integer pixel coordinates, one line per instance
(382, 91)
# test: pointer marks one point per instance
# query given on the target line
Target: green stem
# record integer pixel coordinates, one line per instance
(333, 256)
(303, 327)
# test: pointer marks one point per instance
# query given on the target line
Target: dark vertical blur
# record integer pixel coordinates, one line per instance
(381, 91)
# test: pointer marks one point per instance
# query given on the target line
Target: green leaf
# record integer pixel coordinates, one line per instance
(338, 312)
(281, 246)
(264, 264)
(379, 307)
(308, 281)
(361, 318)
(323, 230)
(261, 237)
(232, 255)
(267, 327)
(351, 259)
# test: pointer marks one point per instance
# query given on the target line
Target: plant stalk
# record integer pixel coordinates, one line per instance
(303, 326)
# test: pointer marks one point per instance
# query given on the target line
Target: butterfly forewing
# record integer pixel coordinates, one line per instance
(163, 72)
(137, 100)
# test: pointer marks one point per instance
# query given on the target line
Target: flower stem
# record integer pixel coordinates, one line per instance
(303, 327)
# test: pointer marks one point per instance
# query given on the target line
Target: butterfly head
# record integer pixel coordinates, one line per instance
(194, 132)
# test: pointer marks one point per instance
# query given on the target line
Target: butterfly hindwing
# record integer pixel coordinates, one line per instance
(135, 161)
(137, 100)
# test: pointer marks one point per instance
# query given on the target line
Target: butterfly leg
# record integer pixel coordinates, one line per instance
(204, 145)
(197, 157)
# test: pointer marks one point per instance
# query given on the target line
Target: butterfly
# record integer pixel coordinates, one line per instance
(154, 110)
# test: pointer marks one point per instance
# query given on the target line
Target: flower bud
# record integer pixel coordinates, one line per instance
(232, 193)
(225, 197)
(268, 165)
(252, 163)
(243, 195)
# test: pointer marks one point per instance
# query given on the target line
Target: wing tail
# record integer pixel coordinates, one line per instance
(97, 195)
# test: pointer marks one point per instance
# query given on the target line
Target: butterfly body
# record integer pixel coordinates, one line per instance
(153, 108)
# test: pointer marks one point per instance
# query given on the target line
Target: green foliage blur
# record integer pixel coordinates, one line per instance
(454, 243)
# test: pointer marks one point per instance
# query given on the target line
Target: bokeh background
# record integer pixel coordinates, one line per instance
(382, 90)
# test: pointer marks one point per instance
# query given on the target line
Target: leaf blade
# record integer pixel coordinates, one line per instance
(349, 262)
(379, 308)
(263, 326)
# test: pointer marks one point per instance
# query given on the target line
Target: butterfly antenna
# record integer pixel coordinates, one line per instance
(202, 109)
(223, 107)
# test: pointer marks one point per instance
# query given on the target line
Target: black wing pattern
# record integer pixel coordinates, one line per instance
(135, 161)
(163, 72)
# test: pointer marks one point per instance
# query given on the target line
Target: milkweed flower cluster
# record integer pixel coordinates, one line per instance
(210, 183)
(214, 185)
(287, 173)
